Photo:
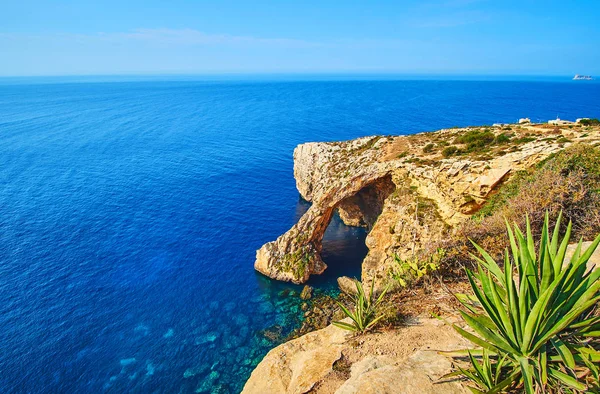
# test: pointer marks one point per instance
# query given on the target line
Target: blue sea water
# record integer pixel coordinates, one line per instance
(130, 212)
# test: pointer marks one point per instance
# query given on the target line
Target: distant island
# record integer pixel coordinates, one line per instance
(578, 77)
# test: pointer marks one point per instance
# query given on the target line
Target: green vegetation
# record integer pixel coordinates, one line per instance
(486, 374)
(563, 140)
(524, 140)
(428, 148)
(479, 141)
(475, 139)
(364, 316)
(297, 261)
(534, 317)
(590, 122)
(503, 138)
(449, 151)
(367, 145)
(408, 272)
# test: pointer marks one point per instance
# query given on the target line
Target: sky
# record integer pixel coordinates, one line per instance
(501, 37)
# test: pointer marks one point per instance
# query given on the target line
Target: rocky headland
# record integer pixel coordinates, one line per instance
(406, 190)
(414, 195)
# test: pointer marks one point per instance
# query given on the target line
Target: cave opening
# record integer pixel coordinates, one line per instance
(344, 247)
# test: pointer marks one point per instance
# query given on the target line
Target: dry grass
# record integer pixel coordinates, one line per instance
(568, 182)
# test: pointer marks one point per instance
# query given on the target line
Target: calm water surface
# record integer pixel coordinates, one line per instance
(130, 213)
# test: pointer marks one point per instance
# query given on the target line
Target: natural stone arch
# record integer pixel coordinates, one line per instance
(296, 255)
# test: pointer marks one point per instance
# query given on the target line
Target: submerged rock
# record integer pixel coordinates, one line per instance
(199, 370)
(127, 361)
(207, 338)
(273, 334)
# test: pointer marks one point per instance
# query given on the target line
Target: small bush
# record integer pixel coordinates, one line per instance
(590, 122)
(524, 140)
(408, 272)
(475, 138)
(502, 138)
(449, 151)
(428, 148)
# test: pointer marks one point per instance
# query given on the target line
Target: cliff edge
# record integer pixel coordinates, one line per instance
(406, 190)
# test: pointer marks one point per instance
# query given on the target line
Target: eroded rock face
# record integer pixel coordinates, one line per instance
(363, 208)
(384, 184)
(295, 255)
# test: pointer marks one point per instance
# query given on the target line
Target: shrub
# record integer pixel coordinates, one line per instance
(364, 317)
(408, 272)
(538, 331)
(475, 139)
(449, 151)
(428, 148)
(590, 122)
(502, 138)
(524, 140)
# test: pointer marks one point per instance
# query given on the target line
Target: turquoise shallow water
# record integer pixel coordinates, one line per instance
(130, 213)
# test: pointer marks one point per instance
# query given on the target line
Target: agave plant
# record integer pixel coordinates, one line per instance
(534, 317)
(364, 316)
(487, 374)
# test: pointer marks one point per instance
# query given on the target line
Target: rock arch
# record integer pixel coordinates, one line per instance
(296, 255)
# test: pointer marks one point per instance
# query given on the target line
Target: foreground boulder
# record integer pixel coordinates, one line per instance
(347, 285)
(295, 366)
(420, 373)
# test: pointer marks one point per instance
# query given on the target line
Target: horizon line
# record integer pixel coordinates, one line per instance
(284, 74)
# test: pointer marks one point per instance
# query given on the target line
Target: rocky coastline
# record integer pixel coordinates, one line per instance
(382, 183)
(411, 193)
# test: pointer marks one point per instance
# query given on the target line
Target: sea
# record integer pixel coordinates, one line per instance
(131, 209)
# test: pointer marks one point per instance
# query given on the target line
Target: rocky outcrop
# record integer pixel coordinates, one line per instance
(347, 285)
(420, 373)
(402, 195)
(296, 366)
(405, 360)
(296, 255)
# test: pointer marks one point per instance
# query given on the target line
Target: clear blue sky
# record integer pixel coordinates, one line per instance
(178, 36)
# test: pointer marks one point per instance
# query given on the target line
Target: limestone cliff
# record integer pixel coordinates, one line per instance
(406, 190)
